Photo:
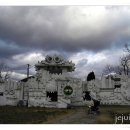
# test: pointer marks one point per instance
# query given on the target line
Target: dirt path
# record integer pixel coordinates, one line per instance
(78, 116)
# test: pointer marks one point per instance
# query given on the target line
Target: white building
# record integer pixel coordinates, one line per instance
(52, 86)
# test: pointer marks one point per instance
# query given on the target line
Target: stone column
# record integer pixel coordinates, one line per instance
(109, 82)
(103, 81)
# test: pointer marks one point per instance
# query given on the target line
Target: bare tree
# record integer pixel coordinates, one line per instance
(127, 48)
(125, 64)
(118, 69)
(4, 72)
(112, 69)
(123, 67)
(108, 69)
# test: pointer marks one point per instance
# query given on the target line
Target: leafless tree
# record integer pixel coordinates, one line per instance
(123, 67)
(5, 72)
(112, 69)
(108, 69)
(118, 69)
(125, 64)
(127, 48)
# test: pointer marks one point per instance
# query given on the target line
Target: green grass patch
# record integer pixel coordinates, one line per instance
(24, 115)
(38, 115)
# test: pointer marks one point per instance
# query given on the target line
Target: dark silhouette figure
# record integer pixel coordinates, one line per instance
(87, 96)
(91, 76)
(96, 105)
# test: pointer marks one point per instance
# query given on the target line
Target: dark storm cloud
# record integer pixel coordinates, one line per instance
(30, 26)
(63, 28)
(8, 49)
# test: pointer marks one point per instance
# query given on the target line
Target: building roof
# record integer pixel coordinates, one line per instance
(56, 61)
(26, 79)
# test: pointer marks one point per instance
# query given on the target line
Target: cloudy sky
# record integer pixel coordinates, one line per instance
(90, 36)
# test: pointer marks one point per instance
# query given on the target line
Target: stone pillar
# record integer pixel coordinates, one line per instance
(103, 82)
(109, 82)
(21, 92)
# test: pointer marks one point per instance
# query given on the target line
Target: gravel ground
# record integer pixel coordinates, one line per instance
(78, 116)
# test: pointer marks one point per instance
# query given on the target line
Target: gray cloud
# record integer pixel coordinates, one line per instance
(8, 49)
(65, 30)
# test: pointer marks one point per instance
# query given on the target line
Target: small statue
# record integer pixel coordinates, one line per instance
(91, 76)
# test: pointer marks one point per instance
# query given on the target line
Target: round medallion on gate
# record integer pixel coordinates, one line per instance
(68, 90)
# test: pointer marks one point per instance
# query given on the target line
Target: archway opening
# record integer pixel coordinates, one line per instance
(52, 95)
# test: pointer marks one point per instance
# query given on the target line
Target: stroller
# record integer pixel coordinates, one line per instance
(93, 109)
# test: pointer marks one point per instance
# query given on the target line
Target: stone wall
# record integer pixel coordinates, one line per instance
(11, 93)
(111, 90)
